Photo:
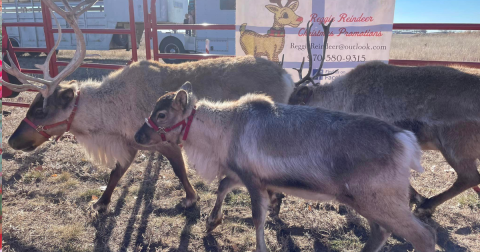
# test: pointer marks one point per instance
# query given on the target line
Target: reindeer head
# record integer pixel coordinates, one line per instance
(303, 91)
(55, 101)
(171, 110)
(285, 15)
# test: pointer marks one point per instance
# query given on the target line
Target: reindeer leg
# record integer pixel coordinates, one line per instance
(274, 57)
(116, 174)
(401, 222)
(467, 176)
(174, 156)
(415, 197)
(275, 203)
(378, 237)
(387, 211)
(259, 198)
(226, 185)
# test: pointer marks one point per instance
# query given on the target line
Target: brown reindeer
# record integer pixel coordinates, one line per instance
(307, 152)
(272, 43)
(104, 115)
(439, 104)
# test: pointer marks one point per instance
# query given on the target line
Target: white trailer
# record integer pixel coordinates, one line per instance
(114, 14)
(106, 14)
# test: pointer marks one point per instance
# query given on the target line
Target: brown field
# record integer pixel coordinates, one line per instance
(47, 194)
(444, 47)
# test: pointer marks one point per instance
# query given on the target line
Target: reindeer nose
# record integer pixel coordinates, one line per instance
(140, 138)
(300, 19)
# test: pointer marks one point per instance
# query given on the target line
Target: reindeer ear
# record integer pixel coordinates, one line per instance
(187, 87)
(65, 96)
(293, 6)
(180, 101)
(272, 8)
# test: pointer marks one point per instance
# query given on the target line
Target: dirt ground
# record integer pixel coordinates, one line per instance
(47, 196)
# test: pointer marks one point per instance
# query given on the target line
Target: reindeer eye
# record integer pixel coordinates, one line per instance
(285, 15)
(39, 113)
(161, 115)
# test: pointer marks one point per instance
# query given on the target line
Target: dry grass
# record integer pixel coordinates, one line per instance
(43, 212)
(443, 47)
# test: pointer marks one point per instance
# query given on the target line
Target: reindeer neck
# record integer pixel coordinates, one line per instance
(208, 140)
(277, 30)
(210, 124)
(277, 26)
(327, 96)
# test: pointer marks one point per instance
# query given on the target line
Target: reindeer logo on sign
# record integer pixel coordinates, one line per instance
(272, 43)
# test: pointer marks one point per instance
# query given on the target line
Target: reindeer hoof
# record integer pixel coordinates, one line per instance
(274, 210)
(100, 206)
(213, 223)
(187, 203)
(424, 213)
(417, 200)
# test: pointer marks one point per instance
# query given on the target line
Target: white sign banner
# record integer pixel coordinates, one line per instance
(361, 31)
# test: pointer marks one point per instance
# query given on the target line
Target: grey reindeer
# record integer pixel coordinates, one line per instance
(439, 104)
(307, 152)
(104, 115)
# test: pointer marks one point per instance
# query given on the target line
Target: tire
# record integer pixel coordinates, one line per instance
(15, 44)
(171, 45)
(12, 79)
(34, 54)
(120, 40)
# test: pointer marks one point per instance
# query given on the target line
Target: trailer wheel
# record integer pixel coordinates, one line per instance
(120, 40)
(34, 54)
(15, 44)
(10, 78)
(171, 45)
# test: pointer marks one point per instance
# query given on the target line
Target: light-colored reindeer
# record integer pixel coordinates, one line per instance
(307, 152)
(104, 115)
(440, 105)
(272, 43)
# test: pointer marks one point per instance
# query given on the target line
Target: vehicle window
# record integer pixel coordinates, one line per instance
(227, 4)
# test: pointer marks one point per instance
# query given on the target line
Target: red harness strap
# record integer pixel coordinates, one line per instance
(476, 189)
(184, 123)
(41, 129)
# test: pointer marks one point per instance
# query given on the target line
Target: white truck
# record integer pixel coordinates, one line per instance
(206, 11)
(114, 14)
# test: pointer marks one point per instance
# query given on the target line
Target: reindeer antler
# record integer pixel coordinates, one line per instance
(290, 1)
(48, 83)
(326, 30)
(279, 2)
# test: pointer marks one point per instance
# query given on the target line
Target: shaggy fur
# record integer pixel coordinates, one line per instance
(440, 105)
(306, 152)
(110, 111)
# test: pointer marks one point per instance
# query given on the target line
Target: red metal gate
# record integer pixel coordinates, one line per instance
(50, 42)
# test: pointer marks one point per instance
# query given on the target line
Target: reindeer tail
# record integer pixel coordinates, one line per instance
(242, 28)
(412, 152)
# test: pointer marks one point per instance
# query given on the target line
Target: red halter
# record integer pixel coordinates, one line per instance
(41, 129)
(184, 123)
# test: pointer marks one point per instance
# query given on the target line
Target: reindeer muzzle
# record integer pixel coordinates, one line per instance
(185, 124)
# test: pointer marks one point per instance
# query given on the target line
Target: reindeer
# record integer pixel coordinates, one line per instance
(321, 155)
(104, 115)
(439, 104)
(272, 43)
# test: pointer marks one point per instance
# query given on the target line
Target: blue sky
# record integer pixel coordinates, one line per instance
(437, 11)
